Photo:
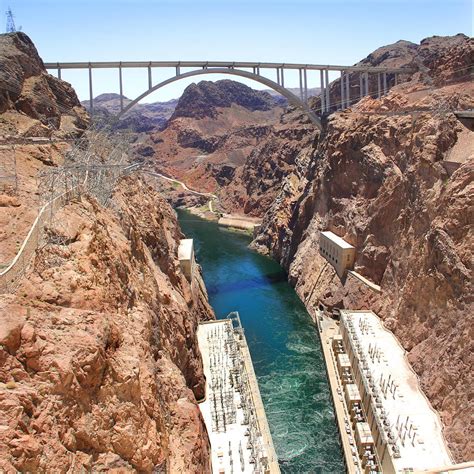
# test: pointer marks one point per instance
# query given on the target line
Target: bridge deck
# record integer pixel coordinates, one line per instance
(218, 64)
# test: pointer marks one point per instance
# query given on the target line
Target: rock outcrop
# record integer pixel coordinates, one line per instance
(213, 131)
(99, 364)
(206, 98)
(27, 90)
(376, 176)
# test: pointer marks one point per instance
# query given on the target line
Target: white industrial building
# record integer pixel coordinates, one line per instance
(186, 257)
(396, 429)
(339, 253)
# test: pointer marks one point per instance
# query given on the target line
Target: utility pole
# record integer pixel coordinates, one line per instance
(11, 28)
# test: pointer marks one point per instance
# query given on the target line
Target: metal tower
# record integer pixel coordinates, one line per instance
(11, 28)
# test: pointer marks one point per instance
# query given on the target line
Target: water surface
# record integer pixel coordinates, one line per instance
(283, 342)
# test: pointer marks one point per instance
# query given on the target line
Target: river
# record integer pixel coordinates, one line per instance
(283, 342)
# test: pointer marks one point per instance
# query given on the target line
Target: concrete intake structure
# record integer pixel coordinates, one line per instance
(186, 257)
(339, 253)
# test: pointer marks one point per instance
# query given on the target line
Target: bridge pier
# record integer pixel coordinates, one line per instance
(150, 81)
(301, 84)
(366, 77)
(348, 92)
(91, 95)
(278, 76)
(385, 89)
(121, 87)
(282, 77)
(59, 72)
(322, 93)
(305, 77)
(328, 100)
(342, 91)
(379, 86)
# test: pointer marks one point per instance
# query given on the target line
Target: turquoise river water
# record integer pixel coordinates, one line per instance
(283, 342)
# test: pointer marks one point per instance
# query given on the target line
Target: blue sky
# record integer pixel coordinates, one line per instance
(304, 31)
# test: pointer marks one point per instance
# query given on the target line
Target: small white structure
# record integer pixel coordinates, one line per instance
(336, 251)
(186, 257)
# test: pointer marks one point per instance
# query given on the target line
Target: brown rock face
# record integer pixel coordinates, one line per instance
(376, 178)
(212, 134)
(99, 363)
(27, 88)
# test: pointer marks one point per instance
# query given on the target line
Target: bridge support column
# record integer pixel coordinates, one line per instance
(348, 90)
(328, 101)
(379, 86)
(301, 84)
(59, 72)
(91, 95)
(278, 76)
(361, 85)
(342, 103)
(121, 87)
(367, 88)
(282, 77)
(385, 89)
(305, 77)
(150, 80)
(322, 93)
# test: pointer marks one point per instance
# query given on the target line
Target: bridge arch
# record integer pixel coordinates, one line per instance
(292, 98)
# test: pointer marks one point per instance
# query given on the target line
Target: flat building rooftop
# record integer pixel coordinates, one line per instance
(185, 249)
(337, 240)
(409, 422)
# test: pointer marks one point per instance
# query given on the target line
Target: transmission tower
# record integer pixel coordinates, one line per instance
(11, 28)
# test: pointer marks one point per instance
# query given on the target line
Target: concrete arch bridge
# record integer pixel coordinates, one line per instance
(259, 72)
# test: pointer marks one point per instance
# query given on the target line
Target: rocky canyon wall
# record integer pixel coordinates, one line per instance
(377, 176)
(99, 363)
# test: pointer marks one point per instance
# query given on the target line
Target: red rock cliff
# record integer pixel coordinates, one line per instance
(99, 363)
(377, 176)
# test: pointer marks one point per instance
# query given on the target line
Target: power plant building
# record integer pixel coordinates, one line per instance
(395, 427)
(186, 257)
(339, 253)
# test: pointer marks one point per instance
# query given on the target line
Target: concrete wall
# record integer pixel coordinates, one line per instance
(341, 257)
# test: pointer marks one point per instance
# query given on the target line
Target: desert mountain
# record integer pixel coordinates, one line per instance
(141, 118)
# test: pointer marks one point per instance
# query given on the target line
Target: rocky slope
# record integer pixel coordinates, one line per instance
(32, 102)
(99, 359)
(99, 363)
(377, 176)
(33, 106)
(211, 134)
